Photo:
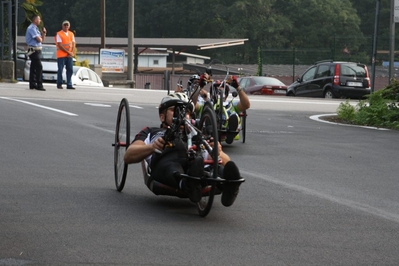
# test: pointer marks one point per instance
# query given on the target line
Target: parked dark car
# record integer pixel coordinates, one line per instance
(331, 79)
(262, 85)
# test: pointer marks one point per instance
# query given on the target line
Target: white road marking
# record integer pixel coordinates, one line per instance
(135, 106)
(40, 106)
(98, 104)
(321, 102)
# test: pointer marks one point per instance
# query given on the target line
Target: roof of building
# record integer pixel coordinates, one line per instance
(169, 43)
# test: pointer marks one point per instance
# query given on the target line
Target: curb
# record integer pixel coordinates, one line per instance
(317, 118)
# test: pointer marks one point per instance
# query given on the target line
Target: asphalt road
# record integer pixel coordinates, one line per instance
(315, 193)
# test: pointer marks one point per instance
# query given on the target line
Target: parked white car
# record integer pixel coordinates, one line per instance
(49, 63)
(85, 76)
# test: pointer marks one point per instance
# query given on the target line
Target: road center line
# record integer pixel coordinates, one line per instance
(40, 106)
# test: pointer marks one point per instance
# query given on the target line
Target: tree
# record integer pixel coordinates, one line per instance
(329, 25)
(30, 9)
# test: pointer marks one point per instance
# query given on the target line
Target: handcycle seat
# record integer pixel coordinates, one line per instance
(158, 188)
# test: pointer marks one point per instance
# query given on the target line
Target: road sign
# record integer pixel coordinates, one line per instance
(112, 60)
(396, 11)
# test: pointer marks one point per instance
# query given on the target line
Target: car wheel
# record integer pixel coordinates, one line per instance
(290, 93)
(328, 94)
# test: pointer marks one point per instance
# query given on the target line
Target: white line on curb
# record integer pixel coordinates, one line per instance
(317, 118)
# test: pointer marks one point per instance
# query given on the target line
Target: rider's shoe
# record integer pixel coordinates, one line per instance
(193, 189)
(196, 169)
(233, 125)
(194, 193)
(230, 190)
(233, 122)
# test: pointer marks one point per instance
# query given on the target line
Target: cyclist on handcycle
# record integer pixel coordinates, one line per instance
(168, 159)
(231, 108)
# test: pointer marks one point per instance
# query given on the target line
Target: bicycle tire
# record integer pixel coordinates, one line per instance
(208, 119)
(244, 125)
(220, 111)
(122, 141)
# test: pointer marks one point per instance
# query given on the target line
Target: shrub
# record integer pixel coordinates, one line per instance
(84, 63)
(381, 109)
(346, 111)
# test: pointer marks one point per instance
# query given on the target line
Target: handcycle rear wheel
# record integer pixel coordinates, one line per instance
(122, 141)
(243, 125)
(208, 127)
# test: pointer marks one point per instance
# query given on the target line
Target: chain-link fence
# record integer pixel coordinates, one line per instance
(355, 48)
(292, 62)
(5, 28)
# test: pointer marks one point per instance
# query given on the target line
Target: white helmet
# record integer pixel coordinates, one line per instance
(172, 100)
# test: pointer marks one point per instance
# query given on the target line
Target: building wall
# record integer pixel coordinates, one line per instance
(143, 60)
(192, 60)
(150, 61)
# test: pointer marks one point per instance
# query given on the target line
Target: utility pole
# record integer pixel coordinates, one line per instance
(14, 31)
(377, 12)
(102, 23)
(102, 26)
(130, 41)
(392, 41)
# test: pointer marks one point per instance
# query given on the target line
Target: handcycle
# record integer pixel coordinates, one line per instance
(196, 136)
(217, 95)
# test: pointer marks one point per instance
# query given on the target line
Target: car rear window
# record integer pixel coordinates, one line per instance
(353, 70)
(49, 53)
(268, 81)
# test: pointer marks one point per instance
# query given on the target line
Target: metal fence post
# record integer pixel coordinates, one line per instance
(166, 79)
(293, 65)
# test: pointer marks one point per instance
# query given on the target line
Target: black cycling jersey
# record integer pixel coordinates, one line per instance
(172, 159)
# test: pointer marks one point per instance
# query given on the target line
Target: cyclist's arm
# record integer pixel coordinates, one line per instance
(204, 94)
(199, 105)
(141, 149)
(138, 151)
(244, 103)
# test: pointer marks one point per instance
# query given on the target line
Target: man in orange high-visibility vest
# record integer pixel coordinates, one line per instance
(65, 41)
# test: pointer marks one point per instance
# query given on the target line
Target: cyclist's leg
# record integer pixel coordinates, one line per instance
(233, 122)
(164, 171)
(165, 168)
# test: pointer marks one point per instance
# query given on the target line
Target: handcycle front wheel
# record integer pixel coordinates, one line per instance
(208, 127)
(122, 141)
